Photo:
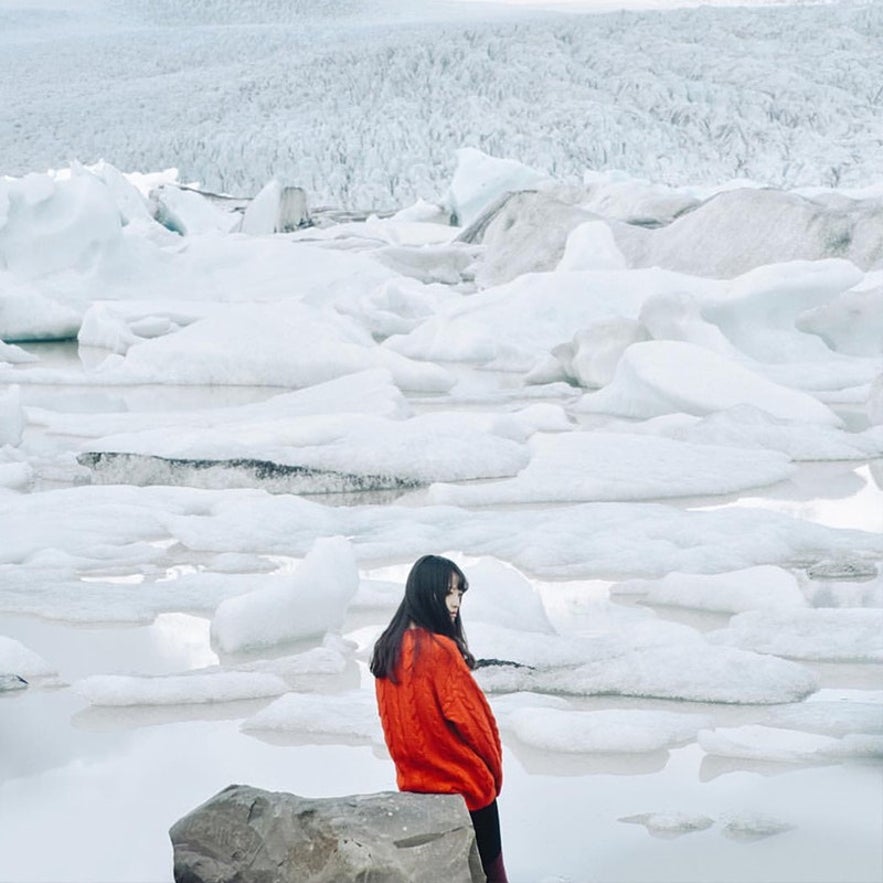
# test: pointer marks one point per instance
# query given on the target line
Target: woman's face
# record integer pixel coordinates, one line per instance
(452, 599)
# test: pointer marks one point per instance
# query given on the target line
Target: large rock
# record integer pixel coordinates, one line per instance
(245, 835)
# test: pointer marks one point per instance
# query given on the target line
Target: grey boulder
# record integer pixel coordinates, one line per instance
(246, 835)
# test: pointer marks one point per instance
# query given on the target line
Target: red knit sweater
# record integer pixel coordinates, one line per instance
(438, 725)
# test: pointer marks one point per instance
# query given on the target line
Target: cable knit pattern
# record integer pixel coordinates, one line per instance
(438, 725)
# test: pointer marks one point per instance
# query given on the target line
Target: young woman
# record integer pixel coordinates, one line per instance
(438, 725)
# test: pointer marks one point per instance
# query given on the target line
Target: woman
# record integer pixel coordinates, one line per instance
(438, 725)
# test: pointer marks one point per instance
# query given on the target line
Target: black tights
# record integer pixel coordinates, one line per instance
(486, 822)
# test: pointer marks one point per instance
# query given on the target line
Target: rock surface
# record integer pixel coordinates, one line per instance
(246, 835)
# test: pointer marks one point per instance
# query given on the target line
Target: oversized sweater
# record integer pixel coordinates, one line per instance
(438, 725)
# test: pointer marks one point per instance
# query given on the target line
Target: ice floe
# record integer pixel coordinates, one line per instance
(350, 715)
(579, 466)
(828, 717)
(694, 671)
(757, 742)
(834, 635)
(764, 586)
(661, 377)
(671, 823)
(311, 601)
(623, 731)
(186, 689)
(17, 659)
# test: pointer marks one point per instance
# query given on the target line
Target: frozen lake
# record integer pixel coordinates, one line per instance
(613, 341)
(88, 777)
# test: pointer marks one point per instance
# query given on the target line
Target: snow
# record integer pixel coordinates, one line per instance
(828, 717)
(489, 326)
(283, 345)
(309, 602)
(351, 715)
(696, 674)
(840, 634)
(755, 742)
(17, 659)
(751, 588)
(853, 322)
(189, 213)
(11, 416)
(675, 97)
(422, 449)
(507, 598)
(671, 823)
(612, 466)
(738, 230)
(747, 427)
(329, 659)
(550, 729)
(194, 688)
(606, 395)
(480, 180)
(661, 377)
(753, 825)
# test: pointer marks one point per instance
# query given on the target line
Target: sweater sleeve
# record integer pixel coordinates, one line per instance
(465, 706)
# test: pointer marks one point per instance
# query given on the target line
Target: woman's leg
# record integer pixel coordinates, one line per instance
(486, 822)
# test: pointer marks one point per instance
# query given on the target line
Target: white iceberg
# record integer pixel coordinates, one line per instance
(578, 466)
(833, 635)
(763, 586)
(17, 659)
(186, 689)
(626, 731)
(309, 602)
(350, 715)
(661, 377)
(757, 742)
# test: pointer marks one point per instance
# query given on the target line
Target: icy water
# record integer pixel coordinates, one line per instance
(102, 786)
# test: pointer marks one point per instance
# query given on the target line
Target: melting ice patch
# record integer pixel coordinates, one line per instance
(314, 454)
(671, 823)
(17, 659)
(330, 658)
(514, 324)
(614, 466)
(734, 592)
(351, 715)
(195, 688)
(746, 426)
(662, 377)
(834, 635)
(757, 742)
(285, 344)
(691, 669)
(309, 602)
(609, 731)
(585, 540)
(829, 718)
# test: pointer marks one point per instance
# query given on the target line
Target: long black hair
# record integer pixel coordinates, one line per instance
(424, 606)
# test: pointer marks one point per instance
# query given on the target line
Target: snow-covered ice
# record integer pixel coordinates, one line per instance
(606, 395)
(17, 659)
(808, 634)
(345, 715)
(612, 466)
(615, 731)
(216, 686)
(757, 742)
(671, 823)
(307, 603)
(662, 377)
(764, 586)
